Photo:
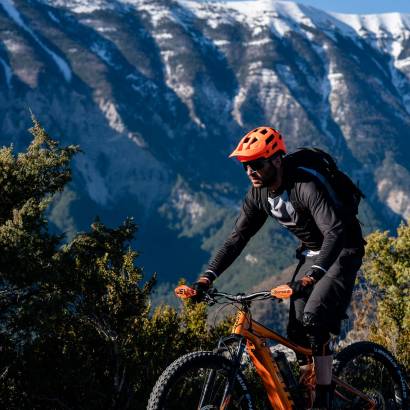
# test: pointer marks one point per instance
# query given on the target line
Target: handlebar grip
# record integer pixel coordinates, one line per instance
(282, 292)
(185, 292)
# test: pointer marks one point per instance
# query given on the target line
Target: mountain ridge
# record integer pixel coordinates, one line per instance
(158, 92)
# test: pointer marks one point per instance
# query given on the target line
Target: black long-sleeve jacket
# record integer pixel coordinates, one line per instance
(304, 205)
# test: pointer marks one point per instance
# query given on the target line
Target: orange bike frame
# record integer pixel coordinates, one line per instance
(261, 356)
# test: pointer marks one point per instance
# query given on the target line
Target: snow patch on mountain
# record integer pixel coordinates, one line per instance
(214, 14)
(156, 11)
(377, 25)
(389, 33)
(137, 139)
(400, 74)
(184, 201)
(335, 89)
(264, 10)
(10, 8)
(397, 200)
(82, 6)
(325, 85)
(7, 72)
(403, 64)
(26, 74)
(13, 46)
(174, 78)
(222, 43)
(270, 92)
(286, 15)
(283, 17)
(237, 104)
(175, 70)
(113, 117)
(53, 17)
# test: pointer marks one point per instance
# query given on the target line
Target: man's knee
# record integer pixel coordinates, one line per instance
(318, 334)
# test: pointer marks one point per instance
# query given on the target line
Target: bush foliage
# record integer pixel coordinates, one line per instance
(77, 331)
(387, 269)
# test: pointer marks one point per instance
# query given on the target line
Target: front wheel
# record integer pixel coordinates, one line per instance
(199, 381)
(371, 369)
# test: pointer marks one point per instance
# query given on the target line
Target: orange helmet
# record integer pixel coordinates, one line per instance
(262, 142)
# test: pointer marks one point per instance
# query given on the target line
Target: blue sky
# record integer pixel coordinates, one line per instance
(360, 6)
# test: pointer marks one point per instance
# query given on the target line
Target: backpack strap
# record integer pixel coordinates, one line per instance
(321, 178)
(292, 173)
(264, 200)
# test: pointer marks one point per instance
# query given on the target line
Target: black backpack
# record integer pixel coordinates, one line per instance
(344, 192)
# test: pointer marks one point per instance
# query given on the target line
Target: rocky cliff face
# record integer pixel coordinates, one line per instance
(157, 92)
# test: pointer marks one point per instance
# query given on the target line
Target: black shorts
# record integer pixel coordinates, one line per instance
(330, 296)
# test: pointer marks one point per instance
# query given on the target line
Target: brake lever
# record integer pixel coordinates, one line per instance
(209, 299)
(211, 291)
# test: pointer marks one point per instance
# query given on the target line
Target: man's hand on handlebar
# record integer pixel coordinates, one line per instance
(302, 287)
(202, 286)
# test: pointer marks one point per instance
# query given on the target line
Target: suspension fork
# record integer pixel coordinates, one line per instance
(236, 358)
(227, 395)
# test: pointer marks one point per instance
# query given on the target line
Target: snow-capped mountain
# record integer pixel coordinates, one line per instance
(157, 92)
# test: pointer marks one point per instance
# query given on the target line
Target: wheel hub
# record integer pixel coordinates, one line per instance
(377, 397)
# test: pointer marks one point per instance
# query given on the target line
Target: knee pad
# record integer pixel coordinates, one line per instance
(318, 335)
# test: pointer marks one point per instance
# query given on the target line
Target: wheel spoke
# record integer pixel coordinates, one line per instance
(200, 382)
(370, 369)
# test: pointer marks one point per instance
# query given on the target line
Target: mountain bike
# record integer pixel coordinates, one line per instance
(365, 375)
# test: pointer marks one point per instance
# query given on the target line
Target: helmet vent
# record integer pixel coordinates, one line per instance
(245, 140)
(264, 131)
(269, 139)
(255, 130)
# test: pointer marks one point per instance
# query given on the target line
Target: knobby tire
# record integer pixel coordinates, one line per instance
(181, 384)
(373, 370)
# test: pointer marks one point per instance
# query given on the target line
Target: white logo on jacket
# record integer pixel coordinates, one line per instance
(282, 210)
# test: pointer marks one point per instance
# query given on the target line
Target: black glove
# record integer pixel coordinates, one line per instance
(303, 287)
(202, 286)
(315, 273)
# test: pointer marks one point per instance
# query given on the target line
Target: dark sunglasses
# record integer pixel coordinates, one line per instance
(255, 165)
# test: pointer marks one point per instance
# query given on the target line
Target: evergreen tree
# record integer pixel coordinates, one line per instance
(77, 332)
(387, 268)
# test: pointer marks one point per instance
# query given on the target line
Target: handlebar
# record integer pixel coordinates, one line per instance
(240, 298)
(279, 292)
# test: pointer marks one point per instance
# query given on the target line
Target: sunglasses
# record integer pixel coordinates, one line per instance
(255, 165)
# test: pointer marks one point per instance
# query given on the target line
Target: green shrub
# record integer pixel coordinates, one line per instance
(387, 268)
(77, 330)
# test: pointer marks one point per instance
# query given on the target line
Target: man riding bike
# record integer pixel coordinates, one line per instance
(330, 254)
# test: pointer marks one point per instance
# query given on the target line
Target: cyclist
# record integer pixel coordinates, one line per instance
(330, 254)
